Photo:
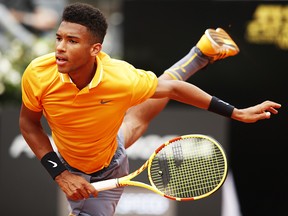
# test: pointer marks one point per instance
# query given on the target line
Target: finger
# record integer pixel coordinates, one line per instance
(85, 193)
(80, 193)
(93, 194)
(92, 190)
(270, 104)
(273, 110)
(261, 116)
(75, 196)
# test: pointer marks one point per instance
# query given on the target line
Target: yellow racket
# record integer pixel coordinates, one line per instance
(188, 167)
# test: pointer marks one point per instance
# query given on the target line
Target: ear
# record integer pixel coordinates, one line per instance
(95, 49)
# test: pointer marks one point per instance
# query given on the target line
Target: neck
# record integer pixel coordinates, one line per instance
(82, 79)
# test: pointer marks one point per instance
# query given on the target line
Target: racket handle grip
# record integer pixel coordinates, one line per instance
(105, 185)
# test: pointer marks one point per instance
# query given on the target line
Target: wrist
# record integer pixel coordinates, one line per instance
(220, 107)
(62, 175)
(53, 164)
(237, 114)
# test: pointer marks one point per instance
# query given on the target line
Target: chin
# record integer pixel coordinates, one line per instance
(61, 70)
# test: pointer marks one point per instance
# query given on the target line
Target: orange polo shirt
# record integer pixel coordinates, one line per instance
(84, 123)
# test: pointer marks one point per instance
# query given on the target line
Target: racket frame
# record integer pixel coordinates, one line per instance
(126, 180)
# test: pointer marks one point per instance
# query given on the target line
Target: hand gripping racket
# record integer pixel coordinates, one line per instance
(188, 167)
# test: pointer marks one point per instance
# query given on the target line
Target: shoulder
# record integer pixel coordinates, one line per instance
(108, 61)
(123, 70)
(41, 68)
(42, 64)
(45, 60)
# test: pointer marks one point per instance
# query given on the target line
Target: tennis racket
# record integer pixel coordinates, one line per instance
(188, 167)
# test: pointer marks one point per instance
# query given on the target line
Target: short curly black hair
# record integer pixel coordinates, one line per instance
(88, 16)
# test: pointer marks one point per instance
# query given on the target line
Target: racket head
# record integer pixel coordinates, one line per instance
(188, 167)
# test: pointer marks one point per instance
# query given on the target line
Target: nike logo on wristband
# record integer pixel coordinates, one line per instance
(52, 162)
(221, 101)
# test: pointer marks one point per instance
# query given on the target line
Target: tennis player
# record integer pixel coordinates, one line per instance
(96, 105)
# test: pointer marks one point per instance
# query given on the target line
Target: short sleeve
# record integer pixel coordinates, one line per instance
(145, 85)
(31, 89)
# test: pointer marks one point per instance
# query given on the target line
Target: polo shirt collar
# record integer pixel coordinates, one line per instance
(65, 78)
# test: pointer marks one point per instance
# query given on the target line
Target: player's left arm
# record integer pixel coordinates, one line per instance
(190, 94)
(183, 92)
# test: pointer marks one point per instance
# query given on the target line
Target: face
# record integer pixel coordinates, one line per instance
(74, 51)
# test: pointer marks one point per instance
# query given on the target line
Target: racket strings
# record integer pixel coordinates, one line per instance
(195, 167)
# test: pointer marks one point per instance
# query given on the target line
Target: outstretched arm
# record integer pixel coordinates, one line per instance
(212, 46)
(190, 94)
(138, 118)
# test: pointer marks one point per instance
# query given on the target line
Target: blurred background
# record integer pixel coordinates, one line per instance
(153, 35)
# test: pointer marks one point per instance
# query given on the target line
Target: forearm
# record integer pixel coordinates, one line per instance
(203, 100)
(39, 142)
(189, 94)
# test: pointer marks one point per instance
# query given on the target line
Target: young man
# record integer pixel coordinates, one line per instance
(96, 105)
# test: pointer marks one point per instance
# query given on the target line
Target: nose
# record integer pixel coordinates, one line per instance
(60, 46)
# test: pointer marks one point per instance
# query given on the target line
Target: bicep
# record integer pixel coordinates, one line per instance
(28, 116)
(29, 122)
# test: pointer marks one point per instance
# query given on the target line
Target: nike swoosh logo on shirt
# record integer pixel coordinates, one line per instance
(54, 163)
(105, 101)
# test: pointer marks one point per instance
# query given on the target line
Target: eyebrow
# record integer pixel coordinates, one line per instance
(69, 36)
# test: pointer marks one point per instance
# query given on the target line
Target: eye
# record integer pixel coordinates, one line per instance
(73, 41)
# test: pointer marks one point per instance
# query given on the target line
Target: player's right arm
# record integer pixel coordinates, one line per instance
(75, 187)
(33, 133)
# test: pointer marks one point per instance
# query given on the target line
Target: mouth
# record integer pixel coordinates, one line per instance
(61, 60)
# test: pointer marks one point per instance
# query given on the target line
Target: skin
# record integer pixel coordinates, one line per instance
(75, 54)
(138, 118)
